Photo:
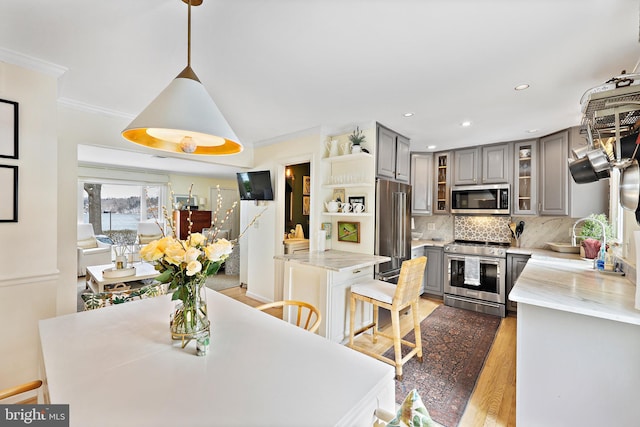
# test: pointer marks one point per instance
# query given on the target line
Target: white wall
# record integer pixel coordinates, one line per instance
(31, 276)
(262, 241)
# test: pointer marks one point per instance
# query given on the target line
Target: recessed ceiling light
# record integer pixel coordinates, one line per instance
(522, 87)
(407, 115)
(465, 124)
(532, 131)
(431, 147)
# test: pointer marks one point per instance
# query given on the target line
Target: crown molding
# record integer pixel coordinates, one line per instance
(32, 63)
(82, 106)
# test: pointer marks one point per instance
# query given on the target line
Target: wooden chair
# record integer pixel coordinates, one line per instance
(304, 312)
(22, 388)
(394, 298)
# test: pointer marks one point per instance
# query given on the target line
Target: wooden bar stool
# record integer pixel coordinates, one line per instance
(394, 298)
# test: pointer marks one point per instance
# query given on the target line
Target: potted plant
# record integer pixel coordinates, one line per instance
(356, 138)
(592, 230)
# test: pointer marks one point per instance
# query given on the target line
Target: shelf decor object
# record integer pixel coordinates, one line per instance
(349, 231)
(8, 129)
(184, 118)
(8, 193)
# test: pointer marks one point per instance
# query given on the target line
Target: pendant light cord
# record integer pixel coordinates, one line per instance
(189, 35)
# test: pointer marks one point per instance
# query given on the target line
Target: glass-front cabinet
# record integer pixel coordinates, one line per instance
(525, 185)
(442, 193)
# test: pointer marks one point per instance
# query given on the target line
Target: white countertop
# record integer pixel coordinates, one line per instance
(118, 366)
(427, 242)
(334, 260)
(572, 285)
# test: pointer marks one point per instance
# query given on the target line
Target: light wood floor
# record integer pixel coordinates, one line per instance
(493, 402)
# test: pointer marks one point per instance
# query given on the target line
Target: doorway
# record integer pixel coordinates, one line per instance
(297, 201)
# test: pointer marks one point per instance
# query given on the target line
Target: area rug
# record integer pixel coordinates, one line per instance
(455, 344)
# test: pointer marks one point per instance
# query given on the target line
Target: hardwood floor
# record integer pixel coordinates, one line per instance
(493, 402)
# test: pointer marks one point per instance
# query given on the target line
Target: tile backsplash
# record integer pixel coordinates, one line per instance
(537, 231)
(482, 228)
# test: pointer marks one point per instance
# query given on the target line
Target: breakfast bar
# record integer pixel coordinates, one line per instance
(324, 279)
(578, 345)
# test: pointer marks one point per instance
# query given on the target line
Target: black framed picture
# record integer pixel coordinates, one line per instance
(8, 129)
(354, 201)
(8, 193)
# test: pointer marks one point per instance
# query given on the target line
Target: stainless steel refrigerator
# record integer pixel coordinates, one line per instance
(393, 227)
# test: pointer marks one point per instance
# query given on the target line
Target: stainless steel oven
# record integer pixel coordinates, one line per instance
(486, 295)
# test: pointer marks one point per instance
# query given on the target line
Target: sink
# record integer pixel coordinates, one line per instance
(564, 247)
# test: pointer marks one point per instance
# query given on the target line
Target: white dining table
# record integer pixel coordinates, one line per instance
(117, 366)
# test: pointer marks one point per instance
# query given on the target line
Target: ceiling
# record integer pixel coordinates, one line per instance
(282, 66)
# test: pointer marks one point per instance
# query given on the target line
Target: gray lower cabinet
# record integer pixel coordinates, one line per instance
(434, 277)
(515, 265)
(432, 283)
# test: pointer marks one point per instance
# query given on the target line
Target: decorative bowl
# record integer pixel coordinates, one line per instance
(415, 235)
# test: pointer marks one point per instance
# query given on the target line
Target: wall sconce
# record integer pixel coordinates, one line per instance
(288, 174)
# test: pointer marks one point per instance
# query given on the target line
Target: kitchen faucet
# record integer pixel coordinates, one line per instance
(604, 231)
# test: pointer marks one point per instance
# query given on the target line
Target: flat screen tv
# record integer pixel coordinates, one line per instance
(255, 185)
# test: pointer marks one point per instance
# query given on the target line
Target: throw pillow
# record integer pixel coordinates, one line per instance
(89, 243)
(412, 413)
(143, 239)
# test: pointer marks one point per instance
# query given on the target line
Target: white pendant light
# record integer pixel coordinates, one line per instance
(184, 118)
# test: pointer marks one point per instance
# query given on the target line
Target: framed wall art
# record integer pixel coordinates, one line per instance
(8, 193)
(326, 226)
(306, 205)
(338, 195)
(306, 185)
(356, 199)
(8, 129)
(349, 231)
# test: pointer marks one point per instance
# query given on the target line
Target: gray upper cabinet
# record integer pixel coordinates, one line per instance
(403, 156)
(554, 171)
(558, 192)
(466, 166)
(442, 182)
(421, 183)
(393, 155)
(525, 178)
(496, 160)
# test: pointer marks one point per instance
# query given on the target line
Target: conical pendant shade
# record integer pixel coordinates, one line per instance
(183, 109)
(184, 118)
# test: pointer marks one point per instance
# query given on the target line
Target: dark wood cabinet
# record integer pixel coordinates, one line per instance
(199, 220)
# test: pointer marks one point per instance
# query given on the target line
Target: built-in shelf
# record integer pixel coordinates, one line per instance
(348, 157)
(347, 214)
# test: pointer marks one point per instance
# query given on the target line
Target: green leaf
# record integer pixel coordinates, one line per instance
(165, 276)
(213, 268)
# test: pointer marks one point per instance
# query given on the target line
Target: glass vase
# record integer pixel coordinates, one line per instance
(189, 320)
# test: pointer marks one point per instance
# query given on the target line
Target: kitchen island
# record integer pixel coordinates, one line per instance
(578, 345)
(324, 279)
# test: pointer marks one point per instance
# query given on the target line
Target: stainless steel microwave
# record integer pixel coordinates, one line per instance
(481, 199)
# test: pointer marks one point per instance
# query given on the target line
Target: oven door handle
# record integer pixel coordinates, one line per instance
(493, 261)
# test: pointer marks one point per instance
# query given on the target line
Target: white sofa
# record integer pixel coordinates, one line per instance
(91, 251)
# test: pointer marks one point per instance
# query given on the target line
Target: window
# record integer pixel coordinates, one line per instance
(115, 209)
